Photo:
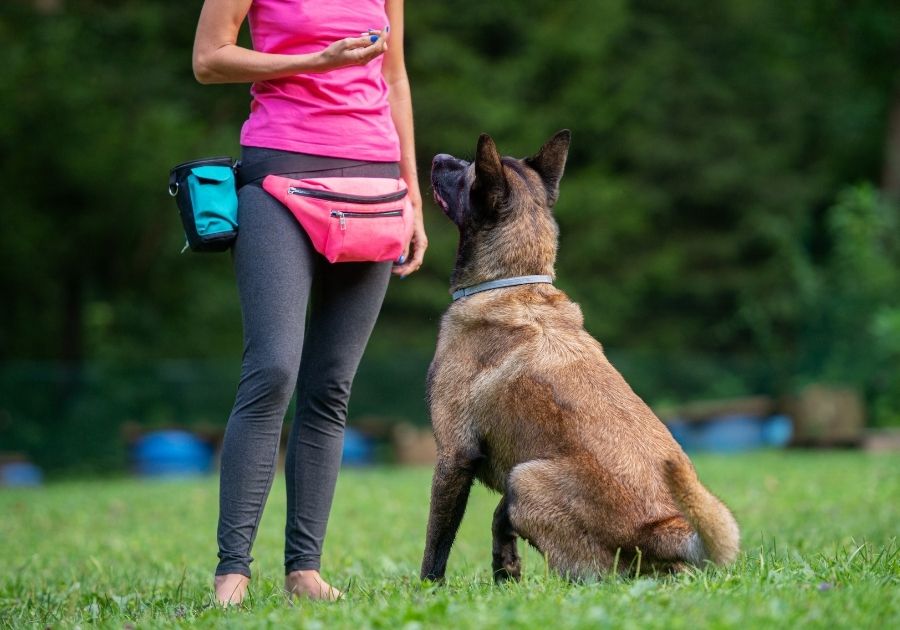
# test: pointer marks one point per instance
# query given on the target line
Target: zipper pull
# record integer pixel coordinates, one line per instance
(185, 248)
(341, 217)
(292, 190)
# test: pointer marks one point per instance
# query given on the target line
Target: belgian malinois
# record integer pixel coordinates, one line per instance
(523, 399)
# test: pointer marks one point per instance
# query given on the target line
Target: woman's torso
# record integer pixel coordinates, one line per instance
(341, 113)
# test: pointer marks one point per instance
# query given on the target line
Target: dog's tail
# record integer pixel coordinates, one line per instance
(709, 517)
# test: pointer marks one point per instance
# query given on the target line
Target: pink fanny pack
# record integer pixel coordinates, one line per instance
(349, 219)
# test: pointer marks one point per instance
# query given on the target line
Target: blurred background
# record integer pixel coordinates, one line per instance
(729, 218)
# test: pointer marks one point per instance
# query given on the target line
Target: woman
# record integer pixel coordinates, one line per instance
(330, 91)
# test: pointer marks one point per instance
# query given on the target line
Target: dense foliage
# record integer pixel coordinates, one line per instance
(722, 225)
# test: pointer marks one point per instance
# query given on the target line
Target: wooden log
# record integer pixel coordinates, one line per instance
(826, 415)
(703, 410)
(414, 446)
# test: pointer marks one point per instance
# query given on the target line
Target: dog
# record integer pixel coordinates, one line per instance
(523, 399)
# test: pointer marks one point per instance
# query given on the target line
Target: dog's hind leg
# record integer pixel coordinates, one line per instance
(506, 563)
(547, 509)
(453, 476)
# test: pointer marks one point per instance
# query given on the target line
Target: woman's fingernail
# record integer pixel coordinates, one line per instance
(387, 28)
(373, 38)
(401, 260)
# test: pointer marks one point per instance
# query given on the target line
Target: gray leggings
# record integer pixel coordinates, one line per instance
(278, 273)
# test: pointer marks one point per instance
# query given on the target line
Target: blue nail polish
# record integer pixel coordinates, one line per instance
(401, 260)
(373, 38)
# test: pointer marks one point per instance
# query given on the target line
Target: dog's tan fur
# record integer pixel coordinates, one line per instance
(524, 399)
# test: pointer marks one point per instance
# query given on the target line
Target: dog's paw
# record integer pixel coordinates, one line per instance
(509, 570)
(432, 578)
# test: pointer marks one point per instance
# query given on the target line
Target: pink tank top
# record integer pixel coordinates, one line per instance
(342, 113)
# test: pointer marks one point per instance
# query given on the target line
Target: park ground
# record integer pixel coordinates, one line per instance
(819, 538)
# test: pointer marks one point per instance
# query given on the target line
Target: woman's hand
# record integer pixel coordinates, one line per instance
(353, 51)
(415, 251)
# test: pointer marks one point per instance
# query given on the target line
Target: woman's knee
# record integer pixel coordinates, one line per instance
(324, 401)
(269, 385)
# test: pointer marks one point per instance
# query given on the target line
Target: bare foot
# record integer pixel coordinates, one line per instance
(310, 584)
(231, 588)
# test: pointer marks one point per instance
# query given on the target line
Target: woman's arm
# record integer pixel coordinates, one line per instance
(400, 99)
(218, 59)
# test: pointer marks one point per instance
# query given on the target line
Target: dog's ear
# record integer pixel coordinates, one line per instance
(550, 161)
(489, 184)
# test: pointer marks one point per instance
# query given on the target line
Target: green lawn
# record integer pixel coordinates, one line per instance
(819, 534)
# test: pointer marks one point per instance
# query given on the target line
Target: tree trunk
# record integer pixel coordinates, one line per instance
(890, 181)
(72, 342)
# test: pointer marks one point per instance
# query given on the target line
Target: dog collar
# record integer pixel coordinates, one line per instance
(498, 284)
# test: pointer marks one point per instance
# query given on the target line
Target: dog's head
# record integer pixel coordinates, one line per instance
(503, 209)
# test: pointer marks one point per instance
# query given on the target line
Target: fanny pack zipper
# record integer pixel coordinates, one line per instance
(342, 215)
(332, 196)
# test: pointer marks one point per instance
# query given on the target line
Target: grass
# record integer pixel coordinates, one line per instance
(819, 537)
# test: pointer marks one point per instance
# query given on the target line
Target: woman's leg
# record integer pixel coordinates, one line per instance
(345, 302)
(274, 263)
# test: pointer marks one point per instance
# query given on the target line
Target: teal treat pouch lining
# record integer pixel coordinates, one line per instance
(214, 199)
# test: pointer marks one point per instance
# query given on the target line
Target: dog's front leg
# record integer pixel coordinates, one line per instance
(453, 475)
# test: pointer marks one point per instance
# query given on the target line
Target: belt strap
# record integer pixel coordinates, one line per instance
(282, 164)
(498, 284)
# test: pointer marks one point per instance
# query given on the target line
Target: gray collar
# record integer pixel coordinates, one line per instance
(502, 282)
